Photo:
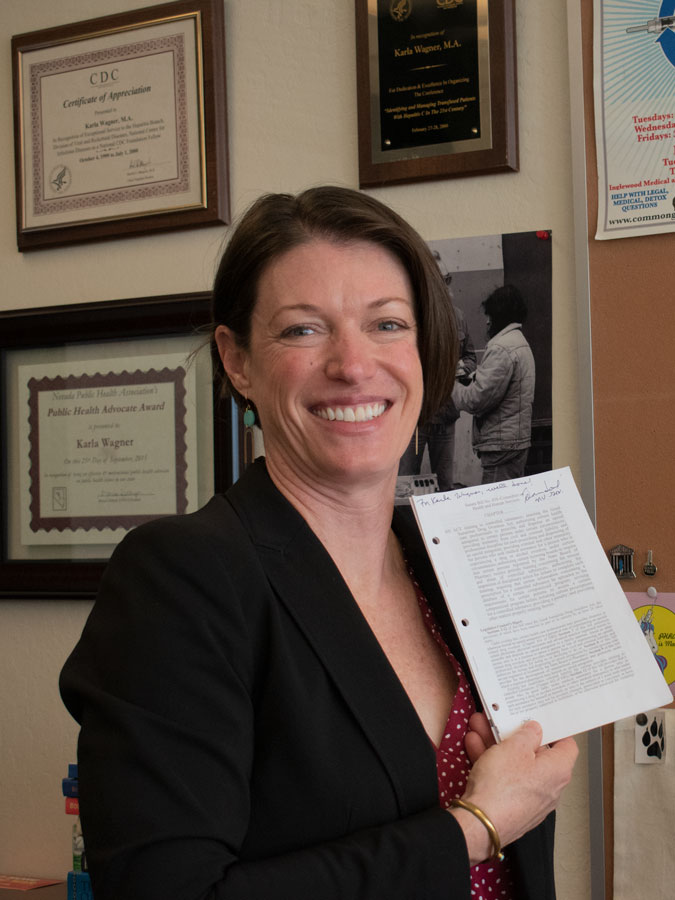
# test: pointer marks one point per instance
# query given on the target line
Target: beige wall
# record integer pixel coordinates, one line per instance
(292, 118)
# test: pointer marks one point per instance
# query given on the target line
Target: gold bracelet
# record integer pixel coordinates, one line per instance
(480, 815)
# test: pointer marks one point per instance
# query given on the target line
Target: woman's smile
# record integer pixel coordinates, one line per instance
(360, 413)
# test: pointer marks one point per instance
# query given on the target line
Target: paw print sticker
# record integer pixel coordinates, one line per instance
(650, 738)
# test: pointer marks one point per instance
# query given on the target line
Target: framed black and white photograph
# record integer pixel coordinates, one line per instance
(110, 418)
(502, 423)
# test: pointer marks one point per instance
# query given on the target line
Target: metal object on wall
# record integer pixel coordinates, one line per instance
(621, 558)
(649, 568)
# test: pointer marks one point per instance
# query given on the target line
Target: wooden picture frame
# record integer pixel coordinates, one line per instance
(436, 89)
(120, 125)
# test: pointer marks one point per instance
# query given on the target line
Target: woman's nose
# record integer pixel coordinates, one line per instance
(350, 358)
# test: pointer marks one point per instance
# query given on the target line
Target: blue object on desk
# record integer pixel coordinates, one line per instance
(79, 886)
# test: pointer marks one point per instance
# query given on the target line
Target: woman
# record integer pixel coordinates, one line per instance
(262, 686)
(501, 393)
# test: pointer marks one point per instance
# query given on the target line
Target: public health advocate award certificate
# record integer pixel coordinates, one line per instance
(105, 447)
(547, 631)
(112, 126)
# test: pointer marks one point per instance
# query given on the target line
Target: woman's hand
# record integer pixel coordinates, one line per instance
(516, 783)
(479, 737)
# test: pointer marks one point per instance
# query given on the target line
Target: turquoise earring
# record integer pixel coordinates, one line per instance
(249, 422)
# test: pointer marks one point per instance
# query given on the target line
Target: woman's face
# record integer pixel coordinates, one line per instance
(332, 365)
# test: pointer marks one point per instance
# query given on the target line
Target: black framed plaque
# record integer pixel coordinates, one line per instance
(436, 89)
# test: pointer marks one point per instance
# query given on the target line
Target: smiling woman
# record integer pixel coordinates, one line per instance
(278, 223)
(333, 338)
(274, 702)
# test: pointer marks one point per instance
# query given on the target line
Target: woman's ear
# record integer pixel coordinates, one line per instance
(234, 358)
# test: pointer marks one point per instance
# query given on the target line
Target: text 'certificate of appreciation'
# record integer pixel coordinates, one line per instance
(547, 631)
(111, 126)
(105, 449)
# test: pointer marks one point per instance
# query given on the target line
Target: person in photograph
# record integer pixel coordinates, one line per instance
(438, 434)
(501, 392)
(274, 703)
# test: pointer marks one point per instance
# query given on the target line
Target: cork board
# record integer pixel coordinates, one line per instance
(632, 314)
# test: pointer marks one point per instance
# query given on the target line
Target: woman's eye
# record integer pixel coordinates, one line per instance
(390, 325)
(297, 331)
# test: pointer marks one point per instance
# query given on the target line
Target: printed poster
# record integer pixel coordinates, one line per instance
(656, 617)
(634, 83)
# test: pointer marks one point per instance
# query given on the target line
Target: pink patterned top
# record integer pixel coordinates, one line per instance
(490, 880)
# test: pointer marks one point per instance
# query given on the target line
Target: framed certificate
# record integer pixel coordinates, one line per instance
(120, 125)
(436, 89)
(110, 418)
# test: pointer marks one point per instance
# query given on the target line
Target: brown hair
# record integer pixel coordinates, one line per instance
(276, 223)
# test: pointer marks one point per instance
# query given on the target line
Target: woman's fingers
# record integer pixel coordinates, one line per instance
(479, 736)
(564, 752)
(475, 746)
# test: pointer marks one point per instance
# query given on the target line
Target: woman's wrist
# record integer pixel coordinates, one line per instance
(486, 821)
(479, 843)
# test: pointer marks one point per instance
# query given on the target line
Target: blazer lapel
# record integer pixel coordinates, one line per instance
(309, 584)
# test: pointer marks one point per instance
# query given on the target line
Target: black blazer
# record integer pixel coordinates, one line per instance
(243, 734)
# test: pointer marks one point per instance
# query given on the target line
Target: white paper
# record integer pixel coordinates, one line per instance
(546, 629)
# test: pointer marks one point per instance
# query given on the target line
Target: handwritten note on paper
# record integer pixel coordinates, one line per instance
(547, 630)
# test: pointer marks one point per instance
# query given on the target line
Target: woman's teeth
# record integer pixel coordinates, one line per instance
(351, 413)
